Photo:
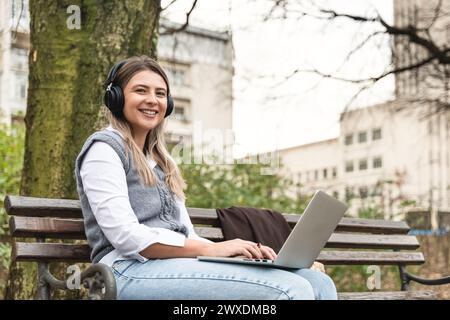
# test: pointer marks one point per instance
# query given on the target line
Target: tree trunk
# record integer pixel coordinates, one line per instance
(67, 71)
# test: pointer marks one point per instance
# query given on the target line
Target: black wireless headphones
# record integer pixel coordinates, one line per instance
(115, 99)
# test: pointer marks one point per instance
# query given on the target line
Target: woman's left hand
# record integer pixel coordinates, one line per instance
(268, 252)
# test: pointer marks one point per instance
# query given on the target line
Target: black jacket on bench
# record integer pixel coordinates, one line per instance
(259, 225)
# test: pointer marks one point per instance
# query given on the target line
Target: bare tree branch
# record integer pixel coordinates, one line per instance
(410, 31)
(418, 52)
(371, 80)
(171, 3)
(18, 20)
(436, 15)
(358, 47)
(278, 4)
(183, 26)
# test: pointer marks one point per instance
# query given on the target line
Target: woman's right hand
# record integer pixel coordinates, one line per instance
(239, 247)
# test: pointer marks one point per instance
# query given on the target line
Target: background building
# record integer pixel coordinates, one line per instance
(396, 153)
(200, 66)
(198, 61)
(14, 46)
(385, 155)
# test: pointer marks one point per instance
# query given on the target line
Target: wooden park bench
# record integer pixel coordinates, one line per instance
(355, 242)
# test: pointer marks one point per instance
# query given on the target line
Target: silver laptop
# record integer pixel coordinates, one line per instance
(306, 240)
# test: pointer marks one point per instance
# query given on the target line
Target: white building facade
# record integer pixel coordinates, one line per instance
(200, 65)
(390, 155)
(14, 46)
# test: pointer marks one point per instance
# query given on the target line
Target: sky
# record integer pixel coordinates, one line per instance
(306, 107)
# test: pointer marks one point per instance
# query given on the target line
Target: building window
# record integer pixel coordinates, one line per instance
(349, 166)
(180, 111)
(376, 191)
(177, 73)
(376, 134)
(325, 173)
(348, 139)
(377, 162)
(348, 193)
(362, 137)
(20, 88)
(334, 173)
(299, 175)
(363, 164)
(316, 175)
(363, 192)
(178, 77)
(23, 91)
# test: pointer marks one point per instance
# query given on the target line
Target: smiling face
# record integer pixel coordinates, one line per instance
(145, 101)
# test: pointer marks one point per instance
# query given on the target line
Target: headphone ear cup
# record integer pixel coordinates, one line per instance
(114, 100)
(170, 106)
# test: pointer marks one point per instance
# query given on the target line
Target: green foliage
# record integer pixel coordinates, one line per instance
(5, 256)
(408, 203)
(220, 186)
(11, 157)
(11, 160)
(371, 212)
(354, 278)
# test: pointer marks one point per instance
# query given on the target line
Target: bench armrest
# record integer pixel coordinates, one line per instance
(98, 279)
(431, 282)
(406, 278)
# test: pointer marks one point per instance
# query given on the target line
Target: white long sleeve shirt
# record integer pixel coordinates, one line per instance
(105, 185)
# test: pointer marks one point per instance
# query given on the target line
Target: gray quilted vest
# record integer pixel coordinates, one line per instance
(154, 206)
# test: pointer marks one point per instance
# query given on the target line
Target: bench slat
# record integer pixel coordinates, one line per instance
(50, 252)
(372, 241)
(42, 207)
(24, 251)
(370, 257)
(209, 217)
(65, 208)
(388, 295)
(74, 229)
(54, 228)
(342, 240)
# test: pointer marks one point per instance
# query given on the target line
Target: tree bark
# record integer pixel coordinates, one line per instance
(67, 71)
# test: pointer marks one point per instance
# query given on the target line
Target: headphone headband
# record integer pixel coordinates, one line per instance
(113, 71)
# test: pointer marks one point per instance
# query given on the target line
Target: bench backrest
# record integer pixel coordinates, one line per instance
(371, 241)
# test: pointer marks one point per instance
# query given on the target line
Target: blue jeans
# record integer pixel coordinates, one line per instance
(188, 278)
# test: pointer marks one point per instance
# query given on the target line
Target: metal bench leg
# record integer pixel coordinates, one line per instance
(43, 287)
(98, 279)
(404, 278)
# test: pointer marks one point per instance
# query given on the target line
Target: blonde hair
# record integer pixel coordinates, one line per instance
(155, 143)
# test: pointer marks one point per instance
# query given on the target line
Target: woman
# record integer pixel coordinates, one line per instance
(133, 204)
